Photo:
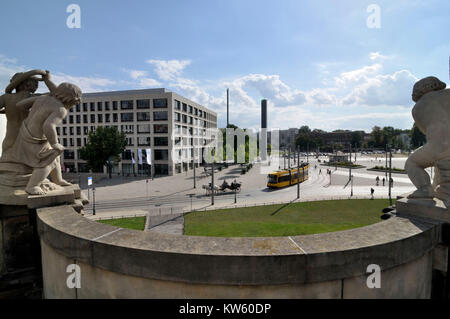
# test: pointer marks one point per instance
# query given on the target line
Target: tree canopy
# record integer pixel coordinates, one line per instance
(103, 147)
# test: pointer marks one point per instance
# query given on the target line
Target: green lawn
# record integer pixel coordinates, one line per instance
(137, 223)
(285, 220)
(275, 220)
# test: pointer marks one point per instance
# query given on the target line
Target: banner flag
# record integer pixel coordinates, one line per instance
(139, 156)
(149, 156)
(132, 158)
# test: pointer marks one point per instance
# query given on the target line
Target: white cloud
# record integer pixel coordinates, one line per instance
(148, 83)
(383, 89)
(357, 76)
(376, 55)
(140, 79)
(86, 83)
(267, 86)
(135, 74)
(321, 97)
(169, 69)
(193, 91)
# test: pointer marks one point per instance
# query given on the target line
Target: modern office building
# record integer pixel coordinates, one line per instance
(171, 126)
(287, 137)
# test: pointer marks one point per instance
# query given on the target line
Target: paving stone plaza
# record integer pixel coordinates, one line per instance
(135, 196)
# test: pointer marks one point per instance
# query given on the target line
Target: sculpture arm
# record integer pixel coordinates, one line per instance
(50, 124)
(27, 103)
(22, 77)
(50, 85)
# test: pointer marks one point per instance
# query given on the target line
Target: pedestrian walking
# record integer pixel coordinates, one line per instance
(392, 182)
(371, 193)
(377, 180)
(320, 171)
(384, 180)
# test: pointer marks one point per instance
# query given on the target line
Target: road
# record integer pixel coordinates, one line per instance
(133, 197)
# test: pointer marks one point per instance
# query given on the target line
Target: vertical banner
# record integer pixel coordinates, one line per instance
(132, 157)
(140, 156)
(149, 156)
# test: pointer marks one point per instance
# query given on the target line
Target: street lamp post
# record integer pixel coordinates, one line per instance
(307, 152)
(386, 165)
(390, 175)
(350, 164)
(298, 175)
(212, 183)
(93, 196)
(289, 159)
(351, 192)
(190, 196)
(193, 163)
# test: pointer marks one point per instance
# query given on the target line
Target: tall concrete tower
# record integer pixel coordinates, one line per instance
(264, 113)
(228, 107)
(263, 136)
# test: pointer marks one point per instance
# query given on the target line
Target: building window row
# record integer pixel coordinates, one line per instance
(141, 128)
(124, 105)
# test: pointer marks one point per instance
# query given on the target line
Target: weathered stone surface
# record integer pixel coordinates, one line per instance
(441, 258)
(13, 196)
(407, 281)
(232, 261)
(434, 209)
(62, 195)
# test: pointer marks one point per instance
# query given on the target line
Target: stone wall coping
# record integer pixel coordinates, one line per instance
(237, 260)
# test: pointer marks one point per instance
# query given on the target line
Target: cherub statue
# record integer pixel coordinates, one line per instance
(25, 84)
(36, 145)
(431, 114)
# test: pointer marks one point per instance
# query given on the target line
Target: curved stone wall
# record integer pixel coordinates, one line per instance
(123, 263)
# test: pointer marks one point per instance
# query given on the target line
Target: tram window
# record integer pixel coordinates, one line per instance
(273, 179)
(283, 179)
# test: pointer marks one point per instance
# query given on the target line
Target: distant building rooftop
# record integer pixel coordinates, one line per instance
(127, 92)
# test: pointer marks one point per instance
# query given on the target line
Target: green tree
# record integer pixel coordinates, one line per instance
(357, 138)
(377, 137)
(417, 137)
(103, 148)
(304, 130)
(389, 135)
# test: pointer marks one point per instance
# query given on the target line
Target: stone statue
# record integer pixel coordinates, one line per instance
(25, 85)
(431, 114)
(36, 145)
(30, 150)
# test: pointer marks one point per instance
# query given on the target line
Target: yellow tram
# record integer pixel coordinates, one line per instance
(288, 177)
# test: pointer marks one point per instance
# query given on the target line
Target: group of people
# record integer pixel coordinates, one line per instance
(328, 171)
(377, 181)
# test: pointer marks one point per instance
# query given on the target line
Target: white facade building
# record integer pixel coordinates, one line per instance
(173, 127)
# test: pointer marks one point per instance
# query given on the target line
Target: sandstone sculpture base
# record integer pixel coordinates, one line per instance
(435, 209)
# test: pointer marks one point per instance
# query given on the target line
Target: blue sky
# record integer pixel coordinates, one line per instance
(317, 62)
